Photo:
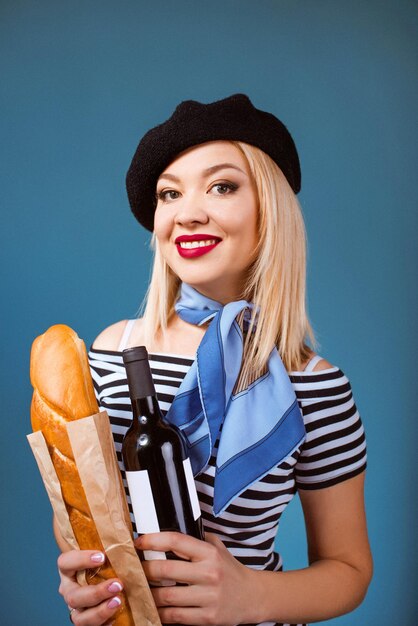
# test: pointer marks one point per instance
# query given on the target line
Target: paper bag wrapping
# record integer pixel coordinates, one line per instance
(53, 488)
(95, 457)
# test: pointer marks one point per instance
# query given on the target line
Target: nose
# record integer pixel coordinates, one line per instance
(190, 210)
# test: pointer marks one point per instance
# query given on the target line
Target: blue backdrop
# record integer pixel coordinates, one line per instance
(81, 82)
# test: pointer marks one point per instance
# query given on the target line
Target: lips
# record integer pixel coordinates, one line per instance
(190, 246)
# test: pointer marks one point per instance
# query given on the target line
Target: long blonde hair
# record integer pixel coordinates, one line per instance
(276, 282)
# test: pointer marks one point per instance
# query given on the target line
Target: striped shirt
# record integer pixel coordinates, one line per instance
(334, 450)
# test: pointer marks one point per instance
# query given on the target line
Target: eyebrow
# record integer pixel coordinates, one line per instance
(208, 171)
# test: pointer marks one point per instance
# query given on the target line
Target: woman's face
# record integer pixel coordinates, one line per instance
(206, 219)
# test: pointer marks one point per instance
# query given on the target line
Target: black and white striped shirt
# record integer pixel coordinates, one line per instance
(334, 450)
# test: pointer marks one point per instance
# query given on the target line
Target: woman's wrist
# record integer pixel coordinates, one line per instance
(254, 609)
(324, 590)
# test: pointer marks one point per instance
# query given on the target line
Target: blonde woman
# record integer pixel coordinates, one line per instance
(225, 317)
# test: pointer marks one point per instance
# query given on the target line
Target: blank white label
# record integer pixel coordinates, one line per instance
(144, 508)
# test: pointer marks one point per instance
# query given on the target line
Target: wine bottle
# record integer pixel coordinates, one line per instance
(159, 474)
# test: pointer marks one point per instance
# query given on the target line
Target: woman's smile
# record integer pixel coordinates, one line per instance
(192, 246)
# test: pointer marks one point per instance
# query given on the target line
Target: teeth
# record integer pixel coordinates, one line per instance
(197, 244)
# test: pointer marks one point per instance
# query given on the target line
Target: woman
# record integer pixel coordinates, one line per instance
(216, 184)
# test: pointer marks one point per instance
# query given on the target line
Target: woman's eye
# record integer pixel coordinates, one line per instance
(223, 188)
(167, 195)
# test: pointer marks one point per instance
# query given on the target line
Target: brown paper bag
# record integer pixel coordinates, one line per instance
(53, 488)
(95, 456)
(52, 485)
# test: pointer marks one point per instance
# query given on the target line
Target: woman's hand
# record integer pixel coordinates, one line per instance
(218, 587)
(94, 604)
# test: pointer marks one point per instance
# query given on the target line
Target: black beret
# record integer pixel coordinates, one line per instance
(192, 123)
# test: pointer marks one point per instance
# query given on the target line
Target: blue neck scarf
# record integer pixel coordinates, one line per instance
(261, 425)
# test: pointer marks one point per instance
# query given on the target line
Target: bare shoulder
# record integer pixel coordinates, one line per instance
(323, 364)
(110, 337)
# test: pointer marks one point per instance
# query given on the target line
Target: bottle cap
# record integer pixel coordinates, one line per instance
(138, 353)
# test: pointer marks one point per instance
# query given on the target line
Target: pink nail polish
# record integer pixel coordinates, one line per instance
(99, 557)
(114, 602)
(115, 587)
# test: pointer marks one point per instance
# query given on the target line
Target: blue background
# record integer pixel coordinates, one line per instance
(81, 82)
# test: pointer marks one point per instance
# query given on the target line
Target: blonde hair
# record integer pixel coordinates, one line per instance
(276, 282)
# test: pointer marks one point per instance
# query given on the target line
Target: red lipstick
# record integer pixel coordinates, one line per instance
(190, 252)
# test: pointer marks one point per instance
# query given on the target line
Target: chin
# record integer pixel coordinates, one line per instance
(198, 276)
(217, 285)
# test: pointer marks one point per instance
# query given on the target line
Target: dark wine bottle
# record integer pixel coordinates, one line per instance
(158, 471)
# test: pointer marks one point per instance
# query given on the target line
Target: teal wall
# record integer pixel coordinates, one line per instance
(81, 81)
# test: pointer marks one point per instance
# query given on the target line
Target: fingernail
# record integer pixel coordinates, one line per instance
(115, 586)
(99, 557)
(114, 602)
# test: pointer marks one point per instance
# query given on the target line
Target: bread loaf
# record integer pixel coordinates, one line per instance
(63, 391)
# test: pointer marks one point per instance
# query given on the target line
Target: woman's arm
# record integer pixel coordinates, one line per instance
(340, 560)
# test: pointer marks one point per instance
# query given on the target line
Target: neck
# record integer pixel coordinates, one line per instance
(222, 295)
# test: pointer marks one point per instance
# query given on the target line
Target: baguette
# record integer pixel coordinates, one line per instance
(63, 392)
